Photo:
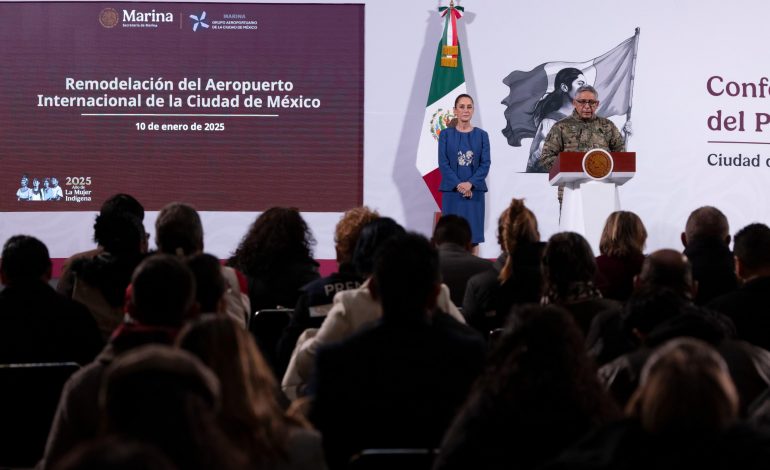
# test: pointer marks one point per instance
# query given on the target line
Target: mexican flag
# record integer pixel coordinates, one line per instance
(448, 81)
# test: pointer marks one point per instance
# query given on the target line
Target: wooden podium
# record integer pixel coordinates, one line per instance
(590, 180)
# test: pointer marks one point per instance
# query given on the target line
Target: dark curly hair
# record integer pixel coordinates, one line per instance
(122, 235)
(279, 235)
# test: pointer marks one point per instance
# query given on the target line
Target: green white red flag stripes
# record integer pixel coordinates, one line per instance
(447, 82)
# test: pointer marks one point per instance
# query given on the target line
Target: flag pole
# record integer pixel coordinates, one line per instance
(633, 78)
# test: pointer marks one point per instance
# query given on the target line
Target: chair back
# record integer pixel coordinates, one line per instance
(266, 326)
(30, 394)
(389, 459)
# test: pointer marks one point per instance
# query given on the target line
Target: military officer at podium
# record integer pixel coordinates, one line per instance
(581, 131)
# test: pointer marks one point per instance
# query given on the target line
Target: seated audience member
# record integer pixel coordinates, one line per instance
(621, 246)
(117, 204)
(569, 270)
(663, 290)
(352, 310)
(210, 285)
(660, 310)
(490, 295)
(316, 297)
(399, 383)
(669, 270)
(101, 281)
(162, 298)
(706, 241)
(683, 415)
(251, 415)
(36, 323)
(179, 231)
(276, 257)
(113, 453)
(167, 398)
(539, 394)
(452, 237)
(749, 306)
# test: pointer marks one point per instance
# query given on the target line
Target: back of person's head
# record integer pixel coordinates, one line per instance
(178, 230)
(122, 204)
(210, 285)
(452, 229)
(230, 351)
(24, 260)
(278, 235)
(623, 235)
(406, 278)
(373, 237)
(110, 274)
(250, 410)
(540, 365)
(162, 292)
(648, 307)
(165, 397)
(706, 222)
(752, 250)
(113, 453)
(348, 230)
(517, 225)
(567, 260)
(667, 269)
(147, 378)
(120, 233)
(655, 315)
(537, 339)
(685, 389)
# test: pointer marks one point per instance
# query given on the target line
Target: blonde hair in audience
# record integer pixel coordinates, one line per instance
(623, 235)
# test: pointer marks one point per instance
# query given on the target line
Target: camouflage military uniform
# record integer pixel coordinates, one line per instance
(573, 134)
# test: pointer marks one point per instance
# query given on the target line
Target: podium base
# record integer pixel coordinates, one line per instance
(585, 209)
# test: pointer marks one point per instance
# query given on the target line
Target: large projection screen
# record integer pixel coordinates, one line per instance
(229, 107)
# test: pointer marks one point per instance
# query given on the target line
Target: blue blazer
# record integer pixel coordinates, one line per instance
(448, 146)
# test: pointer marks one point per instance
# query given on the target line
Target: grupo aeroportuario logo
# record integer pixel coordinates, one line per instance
(199, 21)
(134, 18)
(222, 22)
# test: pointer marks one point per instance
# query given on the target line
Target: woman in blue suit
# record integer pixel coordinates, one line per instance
(463, 159)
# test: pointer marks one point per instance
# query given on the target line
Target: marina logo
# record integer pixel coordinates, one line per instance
(134, 18)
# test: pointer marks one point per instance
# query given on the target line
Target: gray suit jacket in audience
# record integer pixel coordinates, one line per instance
(457, 266)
